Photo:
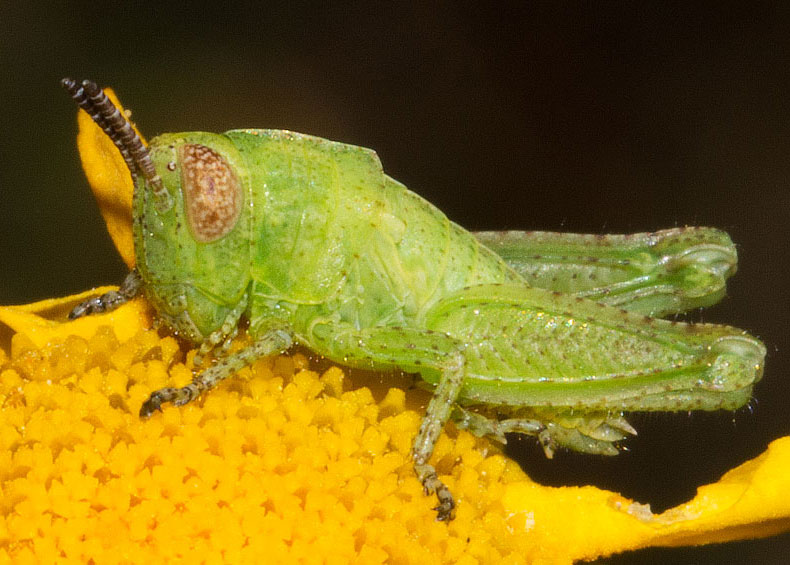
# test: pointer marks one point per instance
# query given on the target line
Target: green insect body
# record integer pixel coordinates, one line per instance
(311, 242)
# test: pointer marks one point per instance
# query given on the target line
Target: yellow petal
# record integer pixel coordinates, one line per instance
(584, 522)
(110, 179)
(45, 322)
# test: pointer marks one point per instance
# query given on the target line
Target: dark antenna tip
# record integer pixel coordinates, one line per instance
(92, 88)
(71, 86)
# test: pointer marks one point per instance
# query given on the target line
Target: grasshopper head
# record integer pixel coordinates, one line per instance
(194, 256)
(192, 242)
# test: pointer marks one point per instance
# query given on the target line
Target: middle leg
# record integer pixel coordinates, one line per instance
(434, 355)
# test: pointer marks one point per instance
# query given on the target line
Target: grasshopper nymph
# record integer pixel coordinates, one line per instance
(552, 335)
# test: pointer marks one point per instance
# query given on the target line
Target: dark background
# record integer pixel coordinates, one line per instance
(611, 118)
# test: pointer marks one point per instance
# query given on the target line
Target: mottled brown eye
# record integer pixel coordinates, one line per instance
(212, 192)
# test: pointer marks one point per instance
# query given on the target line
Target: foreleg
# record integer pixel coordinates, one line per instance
(131, 287)
(271, 342)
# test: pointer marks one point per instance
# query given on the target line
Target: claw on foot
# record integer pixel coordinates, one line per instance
(156, 400)
(178, 396)
(95, 305)
(431, 484)
(445, 511)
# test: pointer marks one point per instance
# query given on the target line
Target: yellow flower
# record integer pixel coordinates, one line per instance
(284, 463)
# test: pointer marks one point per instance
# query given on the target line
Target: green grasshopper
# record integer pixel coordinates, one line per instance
(538, 333)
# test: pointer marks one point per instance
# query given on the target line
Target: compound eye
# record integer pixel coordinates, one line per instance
(212, 192)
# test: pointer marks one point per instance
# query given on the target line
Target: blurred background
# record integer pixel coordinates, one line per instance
(607, 119)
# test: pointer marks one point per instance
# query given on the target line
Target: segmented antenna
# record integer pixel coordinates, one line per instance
(107, 116)
(81, 98)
